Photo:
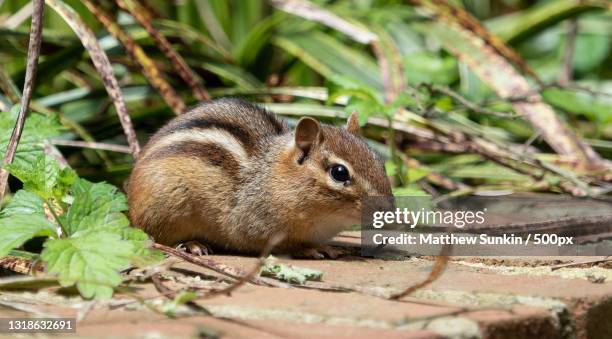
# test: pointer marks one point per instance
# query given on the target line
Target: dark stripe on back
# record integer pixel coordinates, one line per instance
(278, 126)
(213, 154)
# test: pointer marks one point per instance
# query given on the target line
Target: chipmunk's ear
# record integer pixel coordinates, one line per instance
(307, 133)
(352, 124)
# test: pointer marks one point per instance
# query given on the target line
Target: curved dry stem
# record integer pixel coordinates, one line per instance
(435, 273)
(30, 76)
(254, 271)
(91, 145)
(210, 264)
(103, 65)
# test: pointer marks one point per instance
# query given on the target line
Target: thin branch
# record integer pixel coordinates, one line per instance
(8, 86)
(435, 273)
(254, 272)
(385, 72)
(467, 103)
(19, 265)
(580, 263)
(169, 293)
(210, 264)
(92, 145)
(30, 76)
(103, 66)
(567, 72)
(53, 152)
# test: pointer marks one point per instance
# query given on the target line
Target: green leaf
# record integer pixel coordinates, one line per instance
(416, 174)
(95, 205)
(520, 25)
(24, 203)
(330, 56)
(170, 308)
(24, 254)
(409, 191)
(91, 260)
(289, 273)
(391, 168)
(36, 129)
(38, 177)
(428, 67)
(143, 253)
(233, 74)
(596, 108)
(18, 229)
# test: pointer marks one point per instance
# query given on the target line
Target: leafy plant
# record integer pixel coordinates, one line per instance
(88, 239)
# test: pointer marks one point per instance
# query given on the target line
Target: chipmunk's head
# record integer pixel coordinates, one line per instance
(334, 169)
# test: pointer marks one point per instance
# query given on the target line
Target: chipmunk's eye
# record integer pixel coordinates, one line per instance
(339, 173)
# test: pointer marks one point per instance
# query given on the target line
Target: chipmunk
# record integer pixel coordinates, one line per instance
(232, 175)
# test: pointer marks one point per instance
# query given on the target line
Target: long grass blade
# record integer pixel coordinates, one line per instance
(149, 69)
(310, 11)
(103, 66)
(144, 18)
(495, 70)
(518, 26)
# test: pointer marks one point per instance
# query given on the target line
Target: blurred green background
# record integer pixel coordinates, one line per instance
(297, 66)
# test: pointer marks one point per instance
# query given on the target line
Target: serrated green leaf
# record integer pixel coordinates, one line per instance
(24, 203)
(17, 229)
(143, 253)
(91, 260)
(596, 108)
(36, 129)
(24, 254)
(289, 273)
(95, 205)
(43, 176)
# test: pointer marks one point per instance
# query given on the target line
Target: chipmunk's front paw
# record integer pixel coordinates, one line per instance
(195, 248)
(321, 252)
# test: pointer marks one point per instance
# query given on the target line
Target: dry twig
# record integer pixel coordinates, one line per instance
(435, 273)
(254, 271)
(565, 77)
(210, 264)
(92, 145)
(32, 63)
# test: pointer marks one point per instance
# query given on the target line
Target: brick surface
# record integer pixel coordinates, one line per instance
(476, 297)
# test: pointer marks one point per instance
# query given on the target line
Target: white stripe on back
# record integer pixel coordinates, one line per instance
(215, 136)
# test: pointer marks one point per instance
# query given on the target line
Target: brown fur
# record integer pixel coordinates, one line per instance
(256, 180)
